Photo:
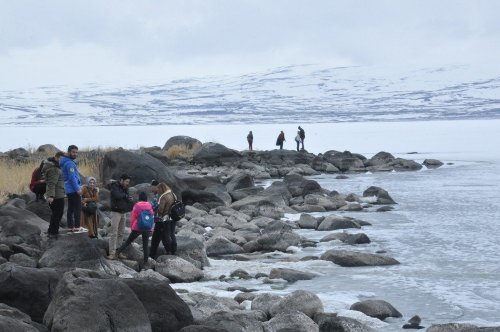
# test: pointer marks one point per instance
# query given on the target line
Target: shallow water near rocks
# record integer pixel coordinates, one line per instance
(443, 231)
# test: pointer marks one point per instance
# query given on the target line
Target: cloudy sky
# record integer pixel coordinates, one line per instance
(71, 42)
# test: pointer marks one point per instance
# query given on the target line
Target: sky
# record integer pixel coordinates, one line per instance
(60, 42)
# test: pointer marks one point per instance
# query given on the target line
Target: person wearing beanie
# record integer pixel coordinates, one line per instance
(90, 198)
(141, 209)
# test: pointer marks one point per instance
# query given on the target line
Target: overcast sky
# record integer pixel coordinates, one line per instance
(69, 42)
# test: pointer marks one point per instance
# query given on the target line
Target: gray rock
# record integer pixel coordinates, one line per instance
(204, 305)
(166, 310)
(264, 302)
(219, 245)
(300, 300)
(238, 194)
(238, 321)
(22, 260)
(307, 221)
(245, 297)
(381, 158)
(74, 251)
(41, 209)
(209, 199)
(402, 165)
(141, 167)
(344, 161)
(177, 269)
(241, 180)
(343, 324)
(352, 258)
(292, 321)
(291, 275)
(413, 323)
(358, 238)
(241, 274)
(191, 247)
(432, 163)
(334, 222)
(215, 154)
(201, 328)
(376, 308)
(334, 237)
(18, 153)
(20, 226)
(109, 305)
(27, 289)
(48, 148)
(183, 143)
(458, 327)
(386, 208)
(382, 195)
(299, 186)
(12, 319)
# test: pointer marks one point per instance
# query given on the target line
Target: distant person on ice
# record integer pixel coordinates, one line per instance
(302, 135)
(72, 187)
(250, 140)
(280, 140)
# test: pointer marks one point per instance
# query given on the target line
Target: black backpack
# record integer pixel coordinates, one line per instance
(177, 210)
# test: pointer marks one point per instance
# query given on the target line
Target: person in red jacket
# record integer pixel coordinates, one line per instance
(138, 209)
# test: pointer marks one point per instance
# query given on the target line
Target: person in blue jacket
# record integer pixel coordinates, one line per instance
(72, 187)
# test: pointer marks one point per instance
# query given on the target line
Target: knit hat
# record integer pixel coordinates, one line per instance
(90, 178)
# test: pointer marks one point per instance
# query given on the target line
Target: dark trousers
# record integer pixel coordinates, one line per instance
(164, 232)
(281, 145)
(134, 235)
(302, 140)
(74, 210)
(57, 208)
(298, 143)
(250, 147)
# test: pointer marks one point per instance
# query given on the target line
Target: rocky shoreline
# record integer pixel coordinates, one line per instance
(65, 284)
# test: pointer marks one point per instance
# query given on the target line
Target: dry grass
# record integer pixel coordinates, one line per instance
(15, 176)
(181, 151)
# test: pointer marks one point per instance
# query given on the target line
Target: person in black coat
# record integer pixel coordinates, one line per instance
(121, 203)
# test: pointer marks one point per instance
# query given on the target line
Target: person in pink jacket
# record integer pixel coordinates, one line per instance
(139, 223)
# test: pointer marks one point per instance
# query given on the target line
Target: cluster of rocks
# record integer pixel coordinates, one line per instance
(44, 284)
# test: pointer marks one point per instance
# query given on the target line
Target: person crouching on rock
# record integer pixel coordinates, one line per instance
(141, 223)
(164, 229)
(121, 203)
(90, 197)
(55, 193)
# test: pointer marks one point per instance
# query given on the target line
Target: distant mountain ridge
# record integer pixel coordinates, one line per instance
(302, 93)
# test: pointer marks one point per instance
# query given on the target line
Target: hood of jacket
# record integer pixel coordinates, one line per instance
(65, 160)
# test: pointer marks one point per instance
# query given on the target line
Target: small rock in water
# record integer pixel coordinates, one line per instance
(413, 323)
(261, 275)
(385, 208)
(242, 274)
(342, 177)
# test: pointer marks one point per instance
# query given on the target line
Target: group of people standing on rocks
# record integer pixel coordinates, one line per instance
(299, 139)
(59, 180)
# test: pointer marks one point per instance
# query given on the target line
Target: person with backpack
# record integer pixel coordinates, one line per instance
(72, 186)
(280, 140)
(141, 223)
(90, 197)
(121, 203)
(302, 135)
(164, 229)
(38, 184)
(250, 141)
(55, 193)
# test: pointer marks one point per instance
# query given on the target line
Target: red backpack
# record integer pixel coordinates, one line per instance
(35, 185)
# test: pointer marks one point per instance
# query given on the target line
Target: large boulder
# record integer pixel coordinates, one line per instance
(344, 161)
(97, 302)
(460, 327)
(27, 289)
(74, 251)
(335, 222)
(177, 269)
(264, 302)
(402, 165)
(12, 319)
(48, 148)
(376, 308)
(299, 186)
(20, 226)
(307, 221)
(276, 236)
(299, 300)
(19, 153)
(351, 258)
(22, 260)
(182, 144)
(204, 305)
(166, 310)
(432, 163)
(191, 247)
(219, 245)
(209, 199)
(216, 154)
(240, 181)
(381, 158)
(141, 167)
(382, 196)
(237, 321)
(40, 208)
(292, 321)
(245, 192)
(342, 324)
(291, 275)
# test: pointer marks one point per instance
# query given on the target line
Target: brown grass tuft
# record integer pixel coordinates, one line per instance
(180, 151)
